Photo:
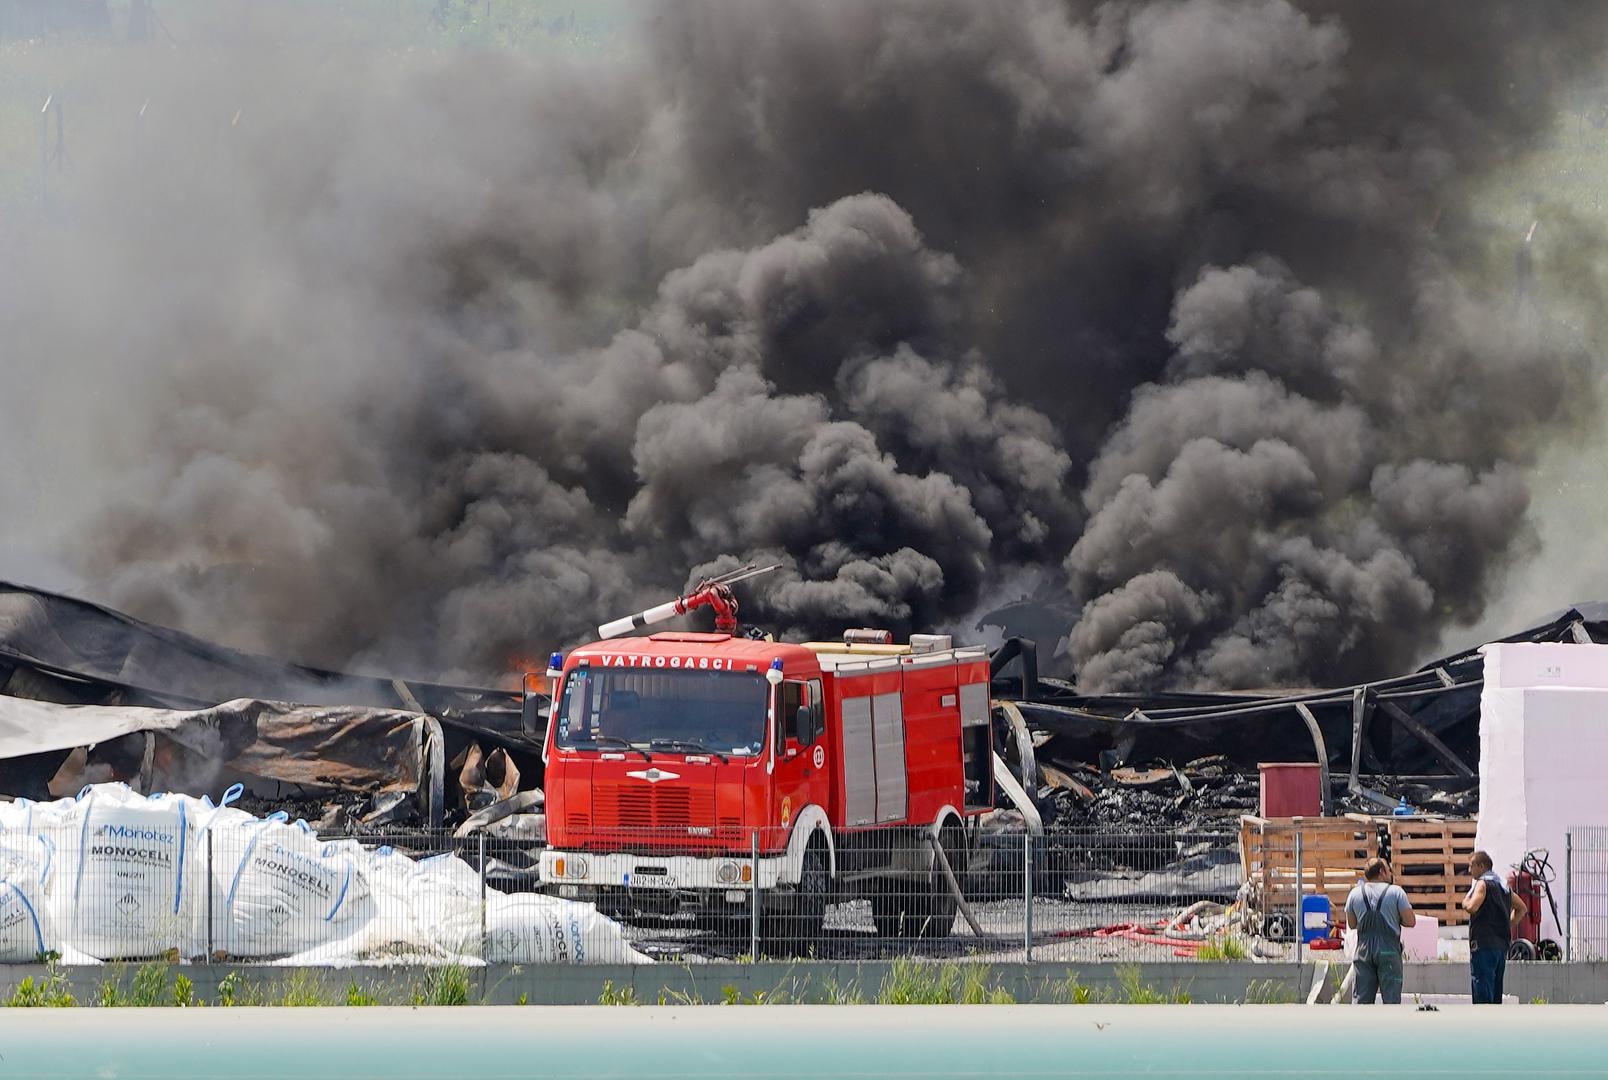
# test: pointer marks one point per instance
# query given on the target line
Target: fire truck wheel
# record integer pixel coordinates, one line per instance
(809, 913)
(888, 912)
(939, 917)
(798, 932)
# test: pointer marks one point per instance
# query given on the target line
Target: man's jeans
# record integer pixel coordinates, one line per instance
(1380, 975)
(1486, 968)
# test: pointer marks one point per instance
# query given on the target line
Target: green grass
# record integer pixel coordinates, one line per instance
(303, 989)
(1135, 991)
(1271, 992)
(48, 993)
(1223, 947)
(183, 994)
(150, 987)
(836, 993)
(448, 985)
(625, 995)
(1131, 989)
(925, 982)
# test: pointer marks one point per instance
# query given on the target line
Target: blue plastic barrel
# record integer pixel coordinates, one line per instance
(1316, 917)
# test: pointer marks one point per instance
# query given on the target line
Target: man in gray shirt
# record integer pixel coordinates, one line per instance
(1377, 909)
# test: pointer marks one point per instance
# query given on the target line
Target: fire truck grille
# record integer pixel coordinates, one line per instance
(649, 806)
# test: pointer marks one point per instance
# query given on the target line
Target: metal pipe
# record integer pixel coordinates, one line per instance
(1024, 743)
(1017, 795)
(1300, 895)
(753, 903)
(1568, 893)
(954, 884)
(1326, 800)
(1027, 897)
(209, 893)
(483, 939)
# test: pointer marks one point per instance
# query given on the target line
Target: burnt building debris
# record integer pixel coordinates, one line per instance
(1414, 735)
(90, 695)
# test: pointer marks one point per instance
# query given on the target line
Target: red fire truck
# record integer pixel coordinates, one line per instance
(673, 758)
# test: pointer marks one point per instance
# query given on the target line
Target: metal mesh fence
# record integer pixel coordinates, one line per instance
(1585, 900)
(275, 892)
(1081, 894)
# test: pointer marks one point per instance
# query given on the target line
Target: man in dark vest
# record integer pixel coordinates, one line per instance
(1377, 909)
(1493, 912)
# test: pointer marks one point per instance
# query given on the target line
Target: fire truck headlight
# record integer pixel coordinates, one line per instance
(576, 867)
(727, 873)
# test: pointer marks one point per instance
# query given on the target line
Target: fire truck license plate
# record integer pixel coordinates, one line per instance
(639, 880)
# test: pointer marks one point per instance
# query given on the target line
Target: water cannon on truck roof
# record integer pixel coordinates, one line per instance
(714, 593)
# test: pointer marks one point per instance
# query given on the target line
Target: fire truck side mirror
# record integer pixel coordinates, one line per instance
(530, 715)
(809, 725)
(530, 699)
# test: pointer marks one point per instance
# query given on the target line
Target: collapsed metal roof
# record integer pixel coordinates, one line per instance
(58, 648)
(1420, 726)
(90, 694)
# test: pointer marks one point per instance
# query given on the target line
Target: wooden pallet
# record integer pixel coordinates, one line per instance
(1431, 863)
(1333, 854)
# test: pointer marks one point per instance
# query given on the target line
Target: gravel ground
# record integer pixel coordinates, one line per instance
(850, 936)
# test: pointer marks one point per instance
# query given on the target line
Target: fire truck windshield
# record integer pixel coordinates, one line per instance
(722, 712)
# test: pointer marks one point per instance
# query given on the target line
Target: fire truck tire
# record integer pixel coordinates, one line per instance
(798, 932)
(888, 912)
(922, 907)
(809, 913)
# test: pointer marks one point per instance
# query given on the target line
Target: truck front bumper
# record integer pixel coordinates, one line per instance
(724, 873)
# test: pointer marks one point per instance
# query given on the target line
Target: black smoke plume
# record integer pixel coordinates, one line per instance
(427, 361)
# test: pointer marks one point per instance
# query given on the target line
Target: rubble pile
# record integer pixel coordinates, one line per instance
(1204, 793)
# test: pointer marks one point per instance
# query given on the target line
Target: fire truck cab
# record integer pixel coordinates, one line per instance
(684, 769)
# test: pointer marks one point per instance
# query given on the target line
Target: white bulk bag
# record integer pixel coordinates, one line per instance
(528, 928)
(443, 897)
(277, 889)
(25, 927)
(122, 893)
(16, 817)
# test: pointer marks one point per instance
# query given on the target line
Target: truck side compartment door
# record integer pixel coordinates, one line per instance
(802, 753)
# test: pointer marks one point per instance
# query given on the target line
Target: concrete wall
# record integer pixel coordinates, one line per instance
(1229, 982)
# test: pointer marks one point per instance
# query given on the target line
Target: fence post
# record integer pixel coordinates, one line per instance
(753, 902)
(1027, 897)
(209, 894)
(483, 949)
(1568, 894)
(1300, 893)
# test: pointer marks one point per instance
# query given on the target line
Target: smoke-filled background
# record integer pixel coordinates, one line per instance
(411, 355)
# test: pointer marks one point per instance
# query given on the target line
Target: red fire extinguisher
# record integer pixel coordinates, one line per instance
(1522, 884)
(1531, 882)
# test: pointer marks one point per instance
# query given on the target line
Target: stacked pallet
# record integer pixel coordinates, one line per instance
(1430, 857)
(1333, 854)
(1429, 854)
